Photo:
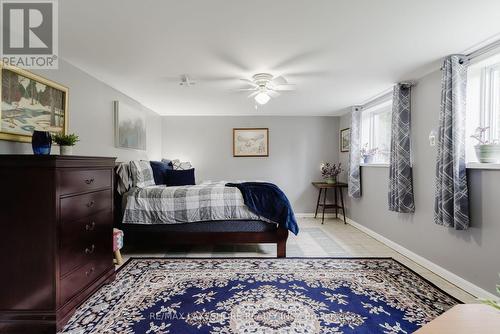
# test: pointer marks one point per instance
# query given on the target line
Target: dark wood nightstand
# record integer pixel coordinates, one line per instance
(337, 191)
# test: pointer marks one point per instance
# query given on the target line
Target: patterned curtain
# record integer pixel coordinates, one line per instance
(354, 180)
(452, 200)
(400, 173)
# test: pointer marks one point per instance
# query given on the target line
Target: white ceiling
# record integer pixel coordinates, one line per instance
(337, 52)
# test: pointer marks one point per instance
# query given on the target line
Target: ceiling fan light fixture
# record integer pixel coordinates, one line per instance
(262, 98)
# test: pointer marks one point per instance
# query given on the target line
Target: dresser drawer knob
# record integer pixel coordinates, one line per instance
(90, 250)
(90, 271)
(90, 204)
(90, 227)
(89, 181)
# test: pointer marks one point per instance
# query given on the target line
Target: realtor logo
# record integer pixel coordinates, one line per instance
(29, 34)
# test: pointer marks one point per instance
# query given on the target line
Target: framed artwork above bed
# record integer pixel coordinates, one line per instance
(130, 127)
(250, 142)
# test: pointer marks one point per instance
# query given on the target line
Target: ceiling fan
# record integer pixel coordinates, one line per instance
(265, 85)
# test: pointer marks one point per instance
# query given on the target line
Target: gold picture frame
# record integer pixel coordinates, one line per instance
(250, 142)
(49, 100)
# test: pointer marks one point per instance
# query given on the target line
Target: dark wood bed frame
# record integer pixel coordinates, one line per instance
(140, 236)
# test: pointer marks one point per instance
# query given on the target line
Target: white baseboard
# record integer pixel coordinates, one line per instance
(311, 215)
(438, 270)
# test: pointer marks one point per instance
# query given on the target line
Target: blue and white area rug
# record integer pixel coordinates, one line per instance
(306, 295)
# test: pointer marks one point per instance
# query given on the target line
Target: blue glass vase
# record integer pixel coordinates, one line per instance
(41, 141)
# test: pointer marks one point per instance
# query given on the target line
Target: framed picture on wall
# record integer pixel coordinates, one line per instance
(130, 127)
(31, 102)
(345, 140)
(250, 142)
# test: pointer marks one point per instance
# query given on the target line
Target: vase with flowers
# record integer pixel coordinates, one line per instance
(367, 154)
(486, 151)
(330, 171)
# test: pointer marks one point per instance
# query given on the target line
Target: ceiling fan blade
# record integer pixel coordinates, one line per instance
(279, 80)
(284, 88)
(245, 89)
(253, 94)
(296, 59)
(250, 82)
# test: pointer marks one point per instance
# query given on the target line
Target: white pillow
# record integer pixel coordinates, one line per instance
(142, 174)
(181, 165)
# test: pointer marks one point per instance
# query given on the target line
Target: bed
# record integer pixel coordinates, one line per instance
(208, 213)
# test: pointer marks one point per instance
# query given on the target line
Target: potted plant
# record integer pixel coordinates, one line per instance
(330, 171)
(368, 154)
(66, 142)
(486, 152)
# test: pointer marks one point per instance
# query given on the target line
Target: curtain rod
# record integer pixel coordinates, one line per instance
(481, 51)
(470, 56)
(485, 49)
(385, 96)
(379, 99)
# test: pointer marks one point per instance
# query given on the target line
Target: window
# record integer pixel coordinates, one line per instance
(376, 133)
(483, 103)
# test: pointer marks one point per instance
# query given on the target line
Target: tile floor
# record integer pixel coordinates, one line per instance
(333, 239)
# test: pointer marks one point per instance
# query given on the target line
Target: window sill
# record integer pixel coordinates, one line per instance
(375, 165)
(480, 165)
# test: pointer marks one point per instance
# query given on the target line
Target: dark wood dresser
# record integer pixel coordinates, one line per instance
(56, 247)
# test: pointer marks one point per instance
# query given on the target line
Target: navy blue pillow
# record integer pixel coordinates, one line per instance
(179, 177)
(159, 168)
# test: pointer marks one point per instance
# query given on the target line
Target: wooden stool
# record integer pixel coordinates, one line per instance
(117, 245)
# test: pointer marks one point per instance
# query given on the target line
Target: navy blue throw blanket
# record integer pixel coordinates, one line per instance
(269, 201)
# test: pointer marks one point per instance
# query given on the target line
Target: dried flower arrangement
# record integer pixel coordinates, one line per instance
(330, 171)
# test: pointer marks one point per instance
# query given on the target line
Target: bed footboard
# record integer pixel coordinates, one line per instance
(144, 236)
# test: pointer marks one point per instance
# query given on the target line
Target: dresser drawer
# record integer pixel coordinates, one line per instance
(82, 238)
(80, 206)
(77, 181)
(79, 279)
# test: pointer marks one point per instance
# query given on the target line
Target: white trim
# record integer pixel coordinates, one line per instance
(479, 165)
(446, 274)
(431, 266)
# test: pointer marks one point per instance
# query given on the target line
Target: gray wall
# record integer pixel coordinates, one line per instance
(297, 147)
(91, 117)
(473, 254)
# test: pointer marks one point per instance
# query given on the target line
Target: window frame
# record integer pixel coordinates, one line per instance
(384, 106)
(483, 105)
(489, 113)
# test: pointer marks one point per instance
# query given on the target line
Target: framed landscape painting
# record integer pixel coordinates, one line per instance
(130, 127)
(251, 142)
(345, 140)
(30, 102)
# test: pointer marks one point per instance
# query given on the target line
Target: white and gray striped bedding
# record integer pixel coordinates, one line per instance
(173, 205)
